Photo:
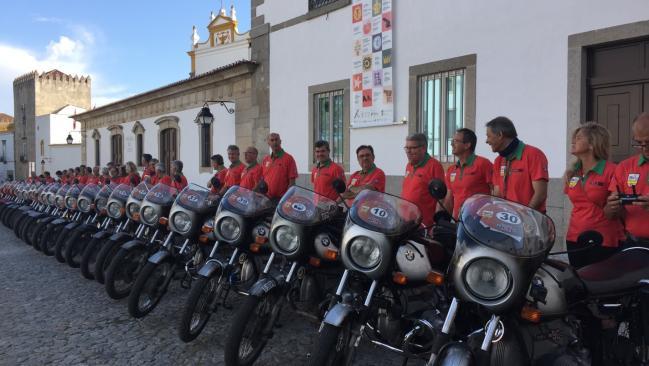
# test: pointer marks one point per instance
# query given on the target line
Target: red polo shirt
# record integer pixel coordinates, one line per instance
(221, 177)
(233, 176)
(514, 174)
(82, 179)
(251, 176)
(374, 177)
(588, 193)
(92, 180)
(147, 173)
(465, 180)
(323, 174)
(277, 171)
(633, 172)
(168, 180)
(415, 186)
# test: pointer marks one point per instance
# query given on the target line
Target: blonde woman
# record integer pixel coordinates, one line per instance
(132, 177)
(586, 184)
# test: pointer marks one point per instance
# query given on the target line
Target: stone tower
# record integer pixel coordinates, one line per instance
(38, 94)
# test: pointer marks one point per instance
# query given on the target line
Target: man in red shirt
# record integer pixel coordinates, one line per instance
(233, 176)
(48, 178)
(251, 175)
(369, 177)
(470, 175)
(632, 177)
(420, 170)
(325, 171)
(520, 172)
(176, 179)
(219, 174)
(146, 164)
(279, 170)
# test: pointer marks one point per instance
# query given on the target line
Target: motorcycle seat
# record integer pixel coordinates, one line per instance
(621, 272)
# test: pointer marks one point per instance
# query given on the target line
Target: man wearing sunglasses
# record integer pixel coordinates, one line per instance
(629, 188)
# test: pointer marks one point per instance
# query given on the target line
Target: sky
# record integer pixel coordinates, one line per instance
(126, 47)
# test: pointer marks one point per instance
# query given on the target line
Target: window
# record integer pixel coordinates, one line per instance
(205, 145)
(316, 4)
(441, 110)
(4, 150)
(97, 156)
(329, 122)
(116, 149)
(139, 138)
(23, 154)
(42, 148)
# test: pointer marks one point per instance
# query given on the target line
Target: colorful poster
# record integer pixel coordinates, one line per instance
(372, 99)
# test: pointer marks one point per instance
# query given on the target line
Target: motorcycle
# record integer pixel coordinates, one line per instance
(301, 272)
(385, 289)
(53, 228)
(132, 255)
(537, 310)
(51, 213)
(75, 217)
(82, 231)
(241, 226)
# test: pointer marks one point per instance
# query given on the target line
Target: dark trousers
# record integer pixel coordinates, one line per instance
(585, 257)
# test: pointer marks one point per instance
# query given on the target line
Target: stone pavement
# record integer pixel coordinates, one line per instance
(51, 315)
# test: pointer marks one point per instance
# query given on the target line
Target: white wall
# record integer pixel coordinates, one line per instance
(53, 129)
(210, 58)
(8, 167)
(521, 52)
(223, 135)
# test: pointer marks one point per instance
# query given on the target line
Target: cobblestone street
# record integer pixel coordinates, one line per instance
(50, 314)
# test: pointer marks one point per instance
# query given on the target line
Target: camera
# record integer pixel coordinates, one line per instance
(627, 199)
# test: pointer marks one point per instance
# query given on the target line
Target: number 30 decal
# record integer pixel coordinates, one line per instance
(508, 218)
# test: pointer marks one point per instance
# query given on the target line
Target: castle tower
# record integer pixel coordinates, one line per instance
(38, 94)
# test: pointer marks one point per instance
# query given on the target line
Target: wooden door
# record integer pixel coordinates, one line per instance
(168, 147)
(117, 149)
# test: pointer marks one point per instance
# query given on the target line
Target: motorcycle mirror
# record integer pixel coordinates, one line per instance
(437, 189)
(590, 238)
(262, 187)
(339, 185)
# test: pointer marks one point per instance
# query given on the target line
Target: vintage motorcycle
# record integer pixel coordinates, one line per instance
(537, 310)
(301, 272)
(82, 231)
(241, 226)
(49, 236)
(386, 287)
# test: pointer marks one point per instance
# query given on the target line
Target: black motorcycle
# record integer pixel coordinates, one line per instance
(49, 236)
(51, 213)
(302, 272)
(241, 227)
(82, 230)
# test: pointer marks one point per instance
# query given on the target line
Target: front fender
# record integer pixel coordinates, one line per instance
(121, 237)
(263, 286)
(71, 225)
(336, 316)
(160, 256)
(211, 266)
(130, 245)
(59, 221)
(101, 235)
(46, 219)
(455, 354)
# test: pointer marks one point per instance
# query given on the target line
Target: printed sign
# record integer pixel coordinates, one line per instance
(372, 99)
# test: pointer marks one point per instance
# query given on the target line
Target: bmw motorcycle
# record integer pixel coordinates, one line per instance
(241, 227)
(48, 238)
(82, 230)
(386, 287)
(51, 213)
(301, 272)
(535, 310)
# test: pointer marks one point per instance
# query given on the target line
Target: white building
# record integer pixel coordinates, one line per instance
(546, 65)
(160, 122)
(53, 152)
(7, 161)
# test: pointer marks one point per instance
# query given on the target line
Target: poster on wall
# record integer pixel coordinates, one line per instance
(372, 96)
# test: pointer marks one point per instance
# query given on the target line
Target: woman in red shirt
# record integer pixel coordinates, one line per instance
(132, 175)
(586, 184)
(177, 179)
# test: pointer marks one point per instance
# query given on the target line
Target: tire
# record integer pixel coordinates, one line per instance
(19, 223)
(252, 309)
(75, 246)
(89, 257)
(48, 240)
(123, 271)
(61, 240)
(27, 230)
(149, 288)
(197, 312)
(333, 346)
(108, 250)
(35, 234)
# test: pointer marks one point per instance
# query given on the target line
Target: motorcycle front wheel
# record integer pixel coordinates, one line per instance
(48, 239)
(251, 329)
(61, 241)
(35, 234)
(197, 311)
(89, 257)
(123, 271)
(333, 346)
(149, 287)
(75, 246)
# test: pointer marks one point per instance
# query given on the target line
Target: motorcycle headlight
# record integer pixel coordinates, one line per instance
(101, 204)
(60, 202)
(365, 252)
(133, 209)
(70, 202)
(84, 205)
(229, 228)
(51, 199)
(149, 215)
(114, 210)
(487, 278)
(182, 222)
(287, 239)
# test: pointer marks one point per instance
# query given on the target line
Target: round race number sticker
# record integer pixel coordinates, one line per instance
(508, 218)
